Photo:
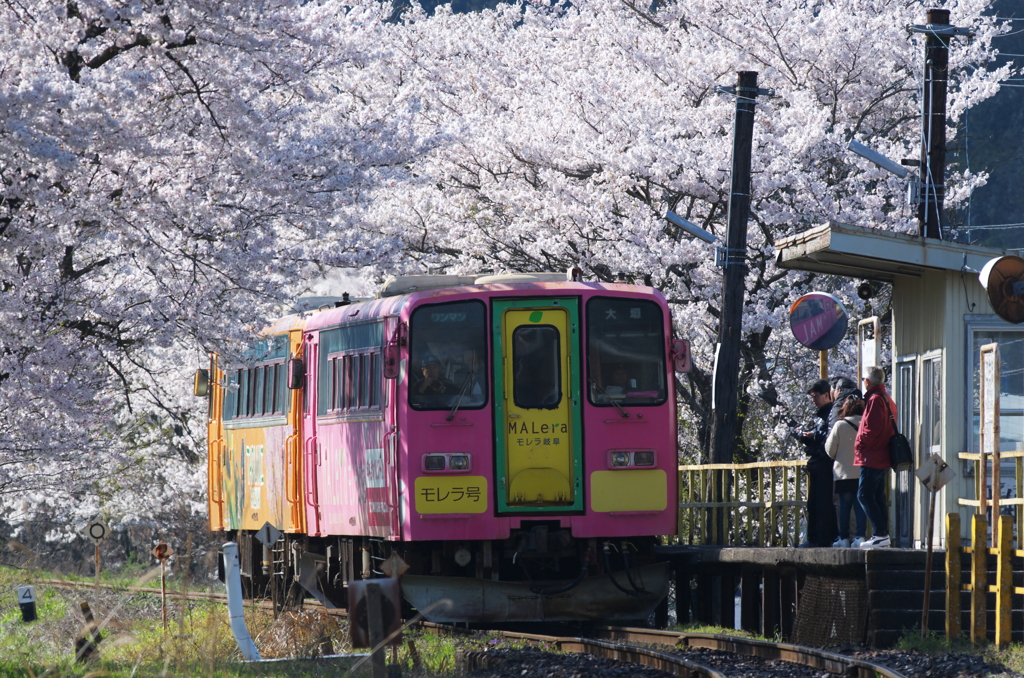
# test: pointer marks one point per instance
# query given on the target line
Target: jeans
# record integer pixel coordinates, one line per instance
(847, 491)
(871, 493)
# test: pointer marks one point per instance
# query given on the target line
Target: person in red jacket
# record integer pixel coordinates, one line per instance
(871, 453)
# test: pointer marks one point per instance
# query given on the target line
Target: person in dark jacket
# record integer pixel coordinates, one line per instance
(871, 454)
(842, 388)
(822, 526)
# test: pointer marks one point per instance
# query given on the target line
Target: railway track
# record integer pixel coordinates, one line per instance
(647, 647)
(634, 645)
(82, 585)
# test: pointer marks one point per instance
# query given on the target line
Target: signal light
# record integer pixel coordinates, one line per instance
(620, 458)
(458, 462)
(434, 462)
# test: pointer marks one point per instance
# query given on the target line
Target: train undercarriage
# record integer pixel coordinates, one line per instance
(540, 573)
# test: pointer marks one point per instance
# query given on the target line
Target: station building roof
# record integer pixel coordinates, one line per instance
(874, 254)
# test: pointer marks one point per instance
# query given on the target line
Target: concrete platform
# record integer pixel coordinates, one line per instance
(827, 595)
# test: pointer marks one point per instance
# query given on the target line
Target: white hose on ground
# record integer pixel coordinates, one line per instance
(233, 582)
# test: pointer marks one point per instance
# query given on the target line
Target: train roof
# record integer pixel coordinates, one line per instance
(512, 284)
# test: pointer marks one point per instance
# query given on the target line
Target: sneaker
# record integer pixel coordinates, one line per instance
(857, 541)
(841, 544)
(880, 542)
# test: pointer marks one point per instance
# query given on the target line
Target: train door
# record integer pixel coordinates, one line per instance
(537, 405)
(295, 520)
(311, 445)
(216, 457)
(389, 405)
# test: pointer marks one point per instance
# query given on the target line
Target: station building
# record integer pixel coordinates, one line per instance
(941, 316)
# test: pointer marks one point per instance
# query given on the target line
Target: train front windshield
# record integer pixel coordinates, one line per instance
(448, 356)
(626, 352)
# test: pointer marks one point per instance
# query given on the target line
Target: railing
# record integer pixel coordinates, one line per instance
(996, 502)
(756, 504)
(976, 557)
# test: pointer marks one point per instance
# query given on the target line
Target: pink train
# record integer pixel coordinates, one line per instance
(504, 444)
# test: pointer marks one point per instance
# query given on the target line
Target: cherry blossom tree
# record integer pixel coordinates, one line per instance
(171, 172)
(570, 130)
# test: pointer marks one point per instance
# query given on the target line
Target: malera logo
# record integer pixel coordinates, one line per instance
(532, 427)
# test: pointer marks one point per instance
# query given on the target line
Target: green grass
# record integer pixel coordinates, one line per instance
(695, 627)
(198, 641)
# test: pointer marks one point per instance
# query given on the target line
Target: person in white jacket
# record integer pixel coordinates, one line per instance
(839, 446)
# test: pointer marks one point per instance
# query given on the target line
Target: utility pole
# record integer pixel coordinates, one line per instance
(938, 33)
(727, 354)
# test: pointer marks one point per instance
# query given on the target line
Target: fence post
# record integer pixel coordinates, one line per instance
(1004, 580)
(1018, 474)
(953, 576)
(979, 577)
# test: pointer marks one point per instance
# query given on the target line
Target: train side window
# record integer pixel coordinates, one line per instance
(243, 393)
(256, 407)
(626, 347)
(353, 382)
(365, 385)
(374, 380)
(448, 356)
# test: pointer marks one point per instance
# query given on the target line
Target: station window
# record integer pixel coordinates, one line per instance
(448, 356)
(626, 347)
(1011, 385)
(353, 381)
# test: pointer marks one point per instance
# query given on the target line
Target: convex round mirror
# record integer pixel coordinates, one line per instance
(818, 320)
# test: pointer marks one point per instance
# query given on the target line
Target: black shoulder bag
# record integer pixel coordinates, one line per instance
(899, 447)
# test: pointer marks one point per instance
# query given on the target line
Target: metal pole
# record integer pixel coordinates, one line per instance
(97, 568)
(724, 426)
(823, 365)
(163, 593)
(928, 564)
(375, 628)
(933, 124)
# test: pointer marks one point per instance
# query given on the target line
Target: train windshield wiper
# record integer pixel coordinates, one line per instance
(462, 392)
(620, 408)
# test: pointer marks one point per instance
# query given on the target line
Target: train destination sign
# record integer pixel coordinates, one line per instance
(818, 320)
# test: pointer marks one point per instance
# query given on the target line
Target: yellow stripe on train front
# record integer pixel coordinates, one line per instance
(631, 490)
(451, 494)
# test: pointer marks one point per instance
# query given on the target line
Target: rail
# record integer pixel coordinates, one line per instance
(757, 504)
(616, 643)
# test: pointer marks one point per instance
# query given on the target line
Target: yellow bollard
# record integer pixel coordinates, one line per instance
(979, 578)
(953, 576)
(1004, 579)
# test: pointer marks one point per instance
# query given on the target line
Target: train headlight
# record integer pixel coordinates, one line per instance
(620, 458)
(433, 462)
(458, 462)
(643, 458)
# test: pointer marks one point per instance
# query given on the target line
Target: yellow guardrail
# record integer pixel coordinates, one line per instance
(757, 504)
(986, 476)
